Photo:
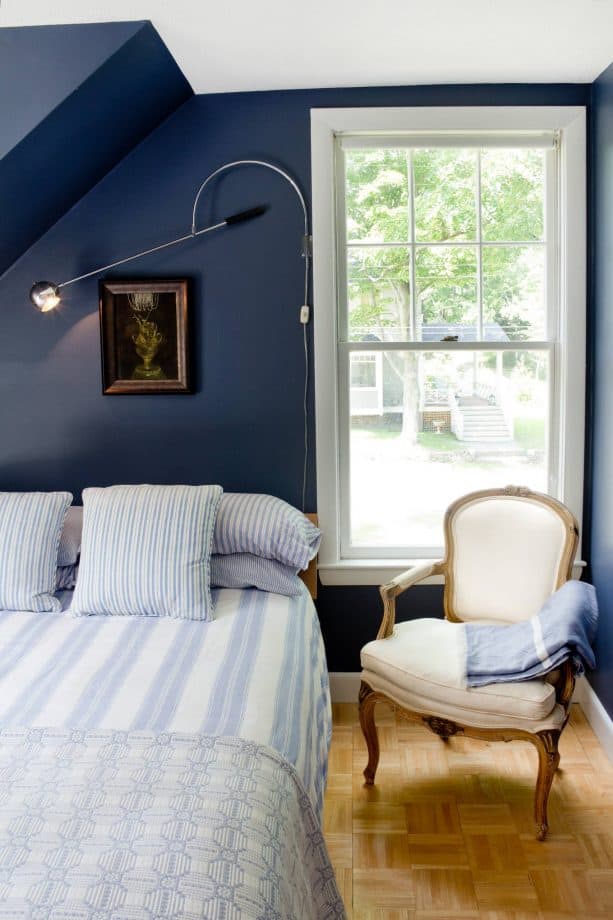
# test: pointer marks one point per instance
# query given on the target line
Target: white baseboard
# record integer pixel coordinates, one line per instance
(596, 714)
(345, 686)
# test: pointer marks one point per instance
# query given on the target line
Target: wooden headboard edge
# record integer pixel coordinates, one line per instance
(309, 575)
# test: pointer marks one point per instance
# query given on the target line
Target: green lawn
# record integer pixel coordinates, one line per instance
(443, 441)
(530, 433)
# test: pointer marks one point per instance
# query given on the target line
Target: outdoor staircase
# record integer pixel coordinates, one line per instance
(484, 423)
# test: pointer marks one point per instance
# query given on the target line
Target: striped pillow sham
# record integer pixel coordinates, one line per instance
(146, 551)
(30, 527)
(263, 525)
(243, 570)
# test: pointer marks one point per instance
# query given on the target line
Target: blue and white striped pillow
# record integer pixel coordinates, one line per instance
(244, 570)
(265, 526)
(30, 527)
(146, 551)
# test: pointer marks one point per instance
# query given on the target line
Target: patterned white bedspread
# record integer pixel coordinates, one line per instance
(139, 825)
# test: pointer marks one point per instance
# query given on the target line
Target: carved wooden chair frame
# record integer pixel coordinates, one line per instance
(546, 742)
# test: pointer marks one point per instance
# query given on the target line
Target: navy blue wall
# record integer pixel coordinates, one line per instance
(243, 426)
(134, 86)
(41, 65)
(601, 550)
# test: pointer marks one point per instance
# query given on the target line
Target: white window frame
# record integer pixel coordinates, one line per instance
(569, 352)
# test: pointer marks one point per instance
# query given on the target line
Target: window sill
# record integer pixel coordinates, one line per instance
(350, 572)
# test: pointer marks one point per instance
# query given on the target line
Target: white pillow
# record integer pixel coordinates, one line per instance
(30, 527)
(145, 551)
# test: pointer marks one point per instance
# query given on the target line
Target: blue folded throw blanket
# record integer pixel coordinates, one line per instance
(565, 627)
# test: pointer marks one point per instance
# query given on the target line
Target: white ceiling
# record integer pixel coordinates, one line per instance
(287, 44)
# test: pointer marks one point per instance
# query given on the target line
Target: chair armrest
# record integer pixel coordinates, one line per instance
(398, 585)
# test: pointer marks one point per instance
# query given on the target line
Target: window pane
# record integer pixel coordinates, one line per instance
(513, 195)
(446, 292)
(363, 370)
(445, 194)
(377, 195)
(448, 423)
(514, 303)
(378, 294)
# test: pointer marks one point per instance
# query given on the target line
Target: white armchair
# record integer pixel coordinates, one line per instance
(506, 551)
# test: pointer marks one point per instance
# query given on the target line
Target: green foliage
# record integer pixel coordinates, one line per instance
(512, 183)
(445, 183)
(378, 189)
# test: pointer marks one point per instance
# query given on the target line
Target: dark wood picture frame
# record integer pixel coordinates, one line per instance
(144, 336)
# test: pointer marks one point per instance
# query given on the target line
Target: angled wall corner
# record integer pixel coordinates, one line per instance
(74, 100)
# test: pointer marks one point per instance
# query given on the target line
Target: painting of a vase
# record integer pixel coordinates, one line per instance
(144, 335)
(147, 338)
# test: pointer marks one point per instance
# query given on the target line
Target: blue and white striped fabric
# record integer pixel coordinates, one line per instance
(265, 526)
(146, 551)
(243, 570)
(30, 526)
(257, 671)
(565, 627)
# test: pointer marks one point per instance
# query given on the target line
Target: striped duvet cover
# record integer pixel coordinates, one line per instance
(258, 671)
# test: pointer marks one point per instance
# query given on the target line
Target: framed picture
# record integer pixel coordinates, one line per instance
(144, 336)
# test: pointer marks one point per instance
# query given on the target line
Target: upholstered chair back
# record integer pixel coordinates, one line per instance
(507, 550)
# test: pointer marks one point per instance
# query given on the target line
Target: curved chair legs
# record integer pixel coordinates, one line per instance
(546, 743)
(549, 758)
(369, 730)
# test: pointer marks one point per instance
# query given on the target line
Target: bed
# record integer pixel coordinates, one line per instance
(153, 767)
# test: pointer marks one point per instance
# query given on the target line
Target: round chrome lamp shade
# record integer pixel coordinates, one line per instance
(45, 295)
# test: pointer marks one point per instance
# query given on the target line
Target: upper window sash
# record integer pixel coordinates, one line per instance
(549, 242)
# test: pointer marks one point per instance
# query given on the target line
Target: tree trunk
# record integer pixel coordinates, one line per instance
(410, 401)
(408, 371)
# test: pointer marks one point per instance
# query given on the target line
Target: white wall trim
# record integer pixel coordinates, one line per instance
(381, 571)
(344, 686)
(596, 714)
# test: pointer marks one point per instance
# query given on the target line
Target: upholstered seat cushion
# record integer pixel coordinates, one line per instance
(422, 666)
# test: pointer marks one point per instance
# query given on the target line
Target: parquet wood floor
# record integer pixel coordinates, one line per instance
(447, 832)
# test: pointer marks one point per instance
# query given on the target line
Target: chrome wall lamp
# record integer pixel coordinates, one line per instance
(45, 295)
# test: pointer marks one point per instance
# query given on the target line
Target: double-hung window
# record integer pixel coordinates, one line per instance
(449, 313)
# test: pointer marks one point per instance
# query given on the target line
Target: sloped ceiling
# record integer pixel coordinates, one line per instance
(73, 101)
